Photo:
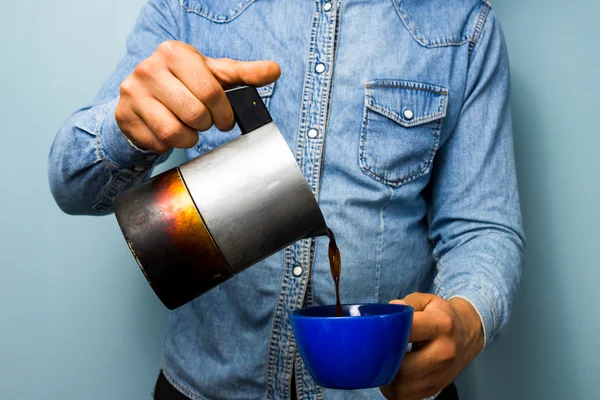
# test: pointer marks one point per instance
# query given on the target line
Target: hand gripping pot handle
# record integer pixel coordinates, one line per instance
(193, 227)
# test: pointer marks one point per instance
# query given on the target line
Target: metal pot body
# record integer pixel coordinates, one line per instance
(195, 226)
(252, 196)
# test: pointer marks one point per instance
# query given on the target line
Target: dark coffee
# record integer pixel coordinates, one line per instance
(335, 265)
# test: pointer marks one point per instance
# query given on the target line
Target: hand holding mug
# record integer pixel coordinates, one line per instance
(446, 336)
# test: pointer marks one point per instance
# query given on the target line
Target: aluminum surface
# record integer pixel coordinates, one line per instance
(253, 197)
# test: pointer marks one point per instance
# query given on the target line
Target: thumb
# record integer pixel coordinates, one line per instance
(418, 301)
(231, 73)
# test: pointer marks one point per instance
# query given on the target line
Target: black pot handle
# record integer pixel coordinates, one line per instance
(248, 108)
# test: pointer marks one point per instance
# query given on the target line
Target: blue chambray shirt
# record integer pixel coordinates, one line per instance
(398, 114)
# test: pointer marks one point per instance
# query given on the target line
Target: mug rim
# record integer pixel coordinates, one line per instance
(401, 309)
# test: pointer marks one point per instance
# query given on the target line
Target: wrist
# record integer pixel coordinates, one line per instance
(472, 328)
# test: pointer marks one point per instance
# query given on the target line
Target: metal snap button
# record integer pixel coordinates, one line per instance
(408, 114)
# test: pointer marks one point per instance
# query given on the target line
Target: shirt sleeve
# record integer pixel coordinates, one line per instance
(91, 161)
(475, 222)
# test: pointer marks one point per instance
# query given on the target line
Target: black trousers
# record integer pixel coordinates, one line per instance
(165, 391)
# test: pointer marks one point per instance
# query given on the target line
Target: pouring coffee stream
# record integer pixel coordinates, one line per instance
(335, 265)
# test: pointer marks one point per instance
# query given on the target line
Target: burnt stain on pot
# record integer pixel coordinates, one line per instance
(169, 240)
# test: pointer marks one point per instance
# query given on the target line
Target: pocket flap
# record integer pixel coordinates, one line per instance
(266, 91)
(407, 103)
(221, 11)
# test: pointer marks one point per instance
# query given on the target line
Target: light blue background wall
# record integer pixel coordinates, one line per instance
(77, 319)
(553, 349)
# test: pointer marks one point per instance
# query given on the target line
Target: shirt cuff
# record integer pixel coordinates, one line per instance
(483, 307)
(119, 151)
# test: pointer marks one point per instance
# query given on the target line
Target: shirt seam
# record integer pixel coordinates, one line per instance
(98, 130)
(402, 84)
(420, 40)
(472, 40)
(381, 242)
(220, 19)
(183, 389)
(481, 19)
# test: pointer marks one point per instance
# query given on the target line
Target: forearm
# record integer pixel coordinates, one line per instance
(91, 161)
(476, 220)
(486, 271)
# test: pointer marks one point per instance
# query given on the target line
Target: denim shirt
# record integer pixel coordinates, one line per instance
(398, 114)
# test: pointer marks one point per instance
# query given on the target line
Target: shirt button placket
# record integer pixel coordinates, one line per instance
(297, 257)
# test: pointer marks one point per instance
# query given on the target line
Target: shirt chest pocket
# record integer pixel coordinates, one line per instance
(400, 130)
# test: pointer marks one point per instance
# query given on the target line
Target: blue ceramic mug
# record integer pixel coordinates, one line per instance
(363, 349)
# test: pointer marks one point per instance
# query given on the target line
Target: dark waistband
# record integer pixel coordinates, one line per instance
(165, 391)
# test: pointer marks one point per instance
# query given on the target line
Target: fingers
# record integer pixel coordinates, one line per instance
(439, 352)
(164, 125)
(206, 77)
(233, 73)
(429, 326)
(178, 91)
(171, 92)
(419, 389)
(137, 131)
(436, 355)
(140, 134)
(422, 374)
(419, 301)
(426, 371)
(188, 66)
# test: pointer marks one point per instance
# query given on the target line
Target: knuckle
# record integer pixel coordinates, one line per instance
(169, 51)
(126, 87)
(145, 69)
(166, 131)
(446, 324)
(209, 93)
(448, 352)
(195, 114)
(166, 47)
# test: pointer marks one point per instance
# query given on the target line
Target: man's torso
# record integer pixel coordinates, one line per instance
(369, 92)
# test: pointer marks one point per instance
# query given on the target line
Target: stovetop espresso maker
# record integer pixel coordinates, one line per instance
(193, 227)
